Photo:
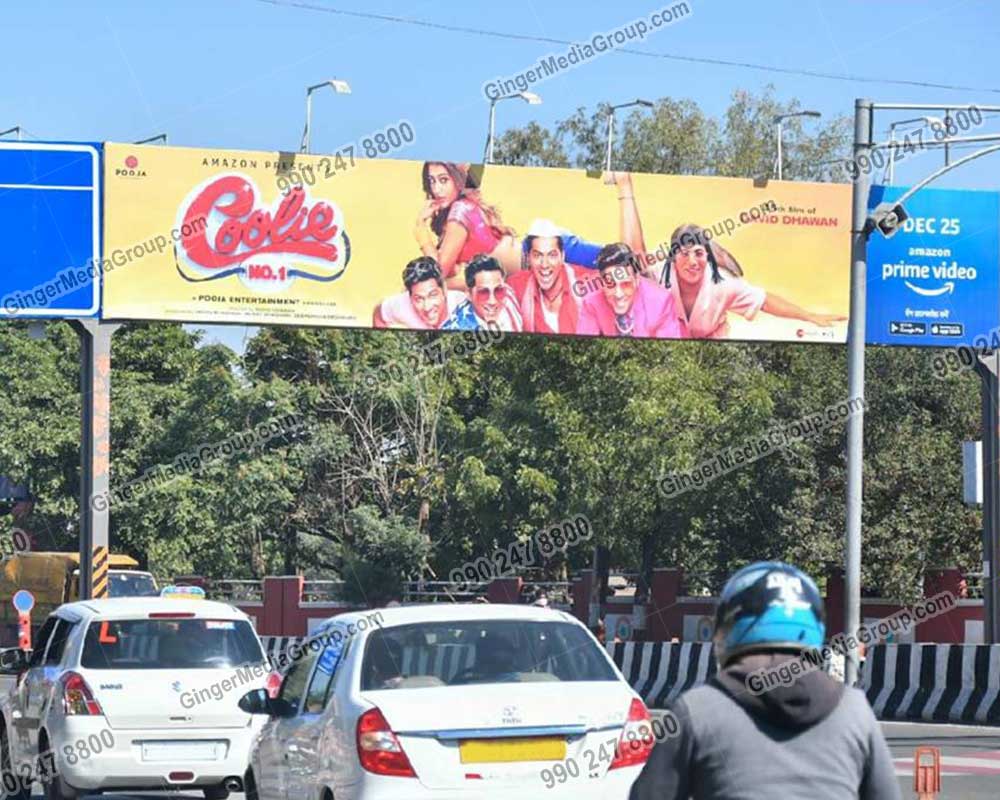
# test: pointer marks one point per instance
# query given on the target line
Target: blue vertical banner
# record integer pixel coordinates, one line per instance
(50, 215)
(935, 283)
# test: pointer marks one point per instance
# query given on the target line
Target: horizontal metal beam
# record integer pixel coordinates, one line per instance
(901, 144)
(930, 107)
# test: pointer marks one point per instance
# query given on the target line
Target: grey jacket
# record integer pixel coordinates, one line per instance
(812, 739)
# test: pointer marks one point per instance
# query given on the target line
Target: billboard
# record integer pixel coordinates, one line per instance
(935, 283)
(219, 236)
(50, 203)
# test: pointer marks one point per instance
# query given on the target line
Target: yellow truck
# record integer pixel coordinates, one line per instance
(54, 579)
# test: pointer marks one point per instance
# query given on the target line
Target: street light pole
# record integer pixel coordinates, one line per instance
(16, 129)
(989, 398)
(339, 86)
(488, 157)
(856, 383)
(611, 138)
(160, 137)
(861, 227)
(611, 125)
(530, 98)
(778, 120)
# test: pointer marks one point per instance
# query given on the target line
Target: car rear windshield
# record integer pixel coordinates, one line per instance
(170, 644)
(481, 651)
(126, 583)
(131, 584)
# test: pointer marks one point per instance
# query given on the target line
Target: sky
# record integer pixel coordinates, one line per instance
(233, 73)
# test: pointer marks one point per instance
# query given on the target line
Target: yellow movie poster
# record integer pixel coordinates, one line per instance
(218, 236)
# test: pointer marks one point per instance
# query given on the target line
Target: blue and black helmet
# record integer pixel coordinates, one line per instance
(768, 606)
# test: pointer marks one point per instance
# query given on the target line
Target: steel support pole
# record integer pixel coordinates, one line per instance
(990, 397)
(95, 454)
(856, 384)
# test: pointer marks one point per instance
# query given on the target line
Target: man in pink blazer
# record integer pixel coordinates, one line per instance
(627, 304)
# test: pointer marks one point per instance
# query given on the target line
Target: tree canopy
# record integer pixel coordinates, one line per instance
(404, 468)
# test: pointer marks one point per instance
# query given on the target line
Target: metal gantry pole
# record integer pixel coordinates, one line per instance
(95, 455)
(856, 384)
(990, 397)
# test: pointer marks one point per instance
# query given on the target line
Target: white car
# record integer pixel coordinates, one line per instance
(132, 694)
(450, 701)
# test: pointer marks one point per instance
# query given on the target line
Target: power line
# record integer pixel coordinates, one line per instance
(524, 37)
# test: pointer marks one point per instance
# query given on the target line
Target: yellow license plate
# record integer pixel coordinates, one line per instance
(493, 751)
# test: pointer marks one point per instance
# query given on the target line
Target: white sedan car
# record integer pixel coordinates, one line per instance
(449, 701)
(132, 694)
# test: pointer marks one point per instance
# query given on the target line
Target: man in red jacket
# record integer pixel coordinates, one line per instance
(545, 290)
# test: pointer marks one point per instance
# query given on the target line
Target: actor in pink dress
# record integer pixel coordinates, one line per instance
(704, 293)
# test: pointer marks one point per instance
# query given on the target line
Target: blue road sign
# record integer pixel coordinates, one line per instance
(50, 213)
(23, 601)
(935, 283)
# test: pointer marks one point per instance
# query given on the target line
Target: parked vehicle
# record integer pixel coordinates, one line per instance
(132, 694)
(463, 700)
(54, 579)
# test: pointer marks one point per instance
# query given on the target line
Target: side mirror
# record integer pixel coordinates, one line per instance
(257, 701)
(14, 661)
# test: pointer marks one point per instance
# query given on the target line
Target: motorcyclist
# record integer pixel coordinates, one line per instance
(770, 723)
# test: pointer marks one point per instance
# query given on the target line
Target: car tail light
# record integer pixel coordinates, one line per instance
(636, 741)
(273, 684)
(379, 749)
(78, 700)
(171, 615)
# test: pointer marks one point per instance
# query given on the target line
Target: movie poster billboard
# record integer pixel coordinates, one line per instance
(217, 236)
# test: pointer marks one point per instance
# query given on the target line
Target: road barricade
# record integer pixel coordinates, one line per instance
(934, 682)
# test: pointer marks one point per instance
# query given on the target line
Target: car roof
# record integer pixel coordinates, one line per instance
(141, 607)
(446, 612)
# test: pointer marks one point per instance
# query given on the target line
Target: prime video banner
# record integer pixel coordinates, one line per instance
(935, 283)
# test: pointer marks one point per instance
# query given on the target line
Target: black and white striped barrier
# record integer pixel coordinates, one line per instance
(274, 646)
(934, 682)
(660, 671)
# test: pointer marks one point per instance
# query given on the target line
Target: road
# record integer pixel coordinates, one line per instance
(970, 761)
(970, 757)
